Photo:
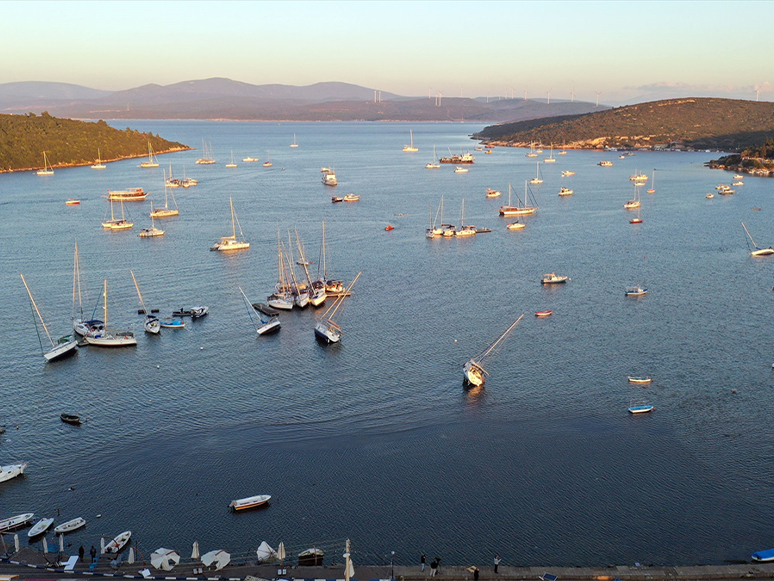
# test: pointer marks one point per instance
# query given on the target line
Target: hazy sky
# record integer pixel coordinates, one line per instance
(625, 49)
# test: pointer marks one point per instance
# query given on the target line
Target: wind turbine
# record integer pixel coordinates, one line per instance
(572, 94)
(511, 93)
(439, 99)
(548, 102)
(525, 93)
(598, 93)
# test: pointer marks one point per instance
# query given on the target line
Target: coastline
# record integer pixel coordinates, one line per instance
(64, 165)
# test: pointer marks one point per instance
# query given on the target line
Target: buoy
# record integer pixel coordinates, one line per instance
(99, 516)
(201, 348)
(158, 367)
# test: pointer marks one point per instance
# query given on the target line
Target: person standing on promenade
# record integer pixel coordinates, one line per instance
(93, 553)
(434, 567)
(496, 562)
(422, 561)
(80, 553)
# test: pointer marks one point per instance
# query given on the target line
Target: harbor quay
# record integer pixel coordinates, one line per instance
(30, 563)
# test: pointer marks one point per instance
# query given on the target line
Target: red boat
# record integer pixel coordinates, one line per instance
(389, 227)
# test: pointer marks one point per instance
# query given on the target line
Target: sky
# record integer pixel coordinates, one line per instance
(628, 51)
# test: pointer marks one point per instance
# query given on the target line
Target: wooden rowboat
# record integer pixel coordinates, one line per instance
(73, 419)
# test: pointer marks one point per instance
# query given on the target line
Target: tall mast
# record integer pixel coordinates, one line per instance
(104, 305)
(37, 311)
(138, 292)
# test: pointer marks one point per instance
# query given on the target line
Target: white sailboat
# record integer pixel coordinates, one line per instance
(521, 208)
(434, 163)
(66, 345)
(473, 370)
(107, 337)
(99, 164)
(231, 242)
(463, 229)
(300, 292)
(268, 162)
(537, 179)
(410, 147)
(232, 163)
(532, 152)
(117, 223)
(272, 325)
(152, 323)
(635, 202)
(81, 325)
(435, 228)
(151, 232)
(325, 329)
(757, 250)
(652, 188)
(317, 293)
(294, 144)
(47, 169)
(206, 158)
(152, 161)
(550, 158)
(282, 298)
(166, 211)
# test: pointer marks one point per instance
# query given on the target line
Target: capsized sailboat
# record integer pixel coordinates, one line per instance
(65, 346)
(474, 372)
(325, 329)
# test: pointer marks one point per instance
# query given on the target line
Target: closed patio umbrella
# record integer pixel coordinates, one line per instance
(281, 551)
(195, 551)
(130, 558)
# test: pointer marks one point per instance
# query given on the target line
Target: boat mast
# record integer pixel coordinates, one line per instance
(38, 312)
(303, 260)
(136, 286)
(503, 336)
(77, 280)
(335, 306)
(750, 236)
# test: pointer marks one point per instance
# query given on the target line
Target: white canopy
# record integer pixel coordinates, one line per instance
(195, 550)
(281, 551)
(265, 552)
(164, 559)
(218, 559)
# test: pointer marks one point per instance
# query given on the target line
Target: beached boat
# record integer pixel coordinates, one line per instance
(553, 278)
(473, 371)
(72, 419)
(40, 527)
(325, 329)
(11, 471)
(70, 526)
(249, 502)
(635, 291)
(106, 337)
(118, 542)
(757, 250)
(63, 347)
(641, 379)
(15, 522)
(640, 408)
(47, 169)
(227, 243)
(410, 148)
(152, 161)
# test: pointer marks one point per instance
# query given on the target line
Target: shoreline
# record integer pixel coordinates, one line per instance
(89, 163)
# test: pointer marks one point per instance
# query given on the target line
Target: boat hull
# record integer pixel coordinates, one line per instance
(118, 543)
(327, 333)
(70, 526)
(62, 350)
(473, 374)
(763, 556)
(40, 527)
(249, 502)
(268, 328)
(16, 522)
(111, 340)
(12, 471)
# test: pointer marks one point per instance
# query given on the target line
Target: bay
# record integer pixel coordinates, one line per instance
(375, 439)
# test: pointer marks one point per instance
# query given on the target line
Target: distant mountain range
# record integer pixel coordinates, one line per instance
(220, 98)
(700, 123)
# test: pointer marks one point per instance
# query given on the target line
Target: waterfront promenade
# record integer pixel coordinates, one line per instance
(29, 563)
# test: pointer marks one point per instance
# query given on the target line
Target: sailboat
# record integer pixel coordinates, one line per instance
(206, 158)
(410, 148)
(282, 298)
(316, 293)
(65, 346)
(520, 209)
(99, 164)
(151, 232)
(757, 250)
(272, 325)
(634, 203)
(152, 161)
(435, 229)
(231, 242)
(550, 158)
(537, 179)
(268, 162)
(473, 370)
(117, 223)
(532, 150)
(637, 219)
(152, 323)
(652, 182)
(325, 329)
(294, 144)
(47, 169)
(300, 292)
(232, 163)
(463, 229)
(106, 337)
(80, 325)
(433, 164)
(165, 212)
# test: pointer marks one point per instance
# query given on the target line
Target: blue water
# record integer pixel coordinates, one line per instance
(375, 438)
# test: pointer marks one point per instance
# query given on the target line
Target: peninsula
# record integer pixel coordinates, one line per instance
(695, 123)
(67, 142)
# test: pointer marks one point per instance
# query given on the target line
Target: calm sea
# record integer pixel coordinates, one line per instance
(375, 438)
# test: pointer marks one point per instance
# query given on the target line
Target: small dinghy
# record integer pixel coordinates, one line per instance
(119, 542)
(633, 379)
(70, 526)
(170, 323)
(249, 502)
(197, 312)
(543, 313)
(40, 527)
(20, 520)
(265, 309)
(73, 419)
(181, 312)
(640, 409)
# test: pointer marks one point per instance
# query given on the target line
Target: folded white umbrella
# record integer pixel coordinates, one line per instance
(130, 558)
(102, 545)
(218, 559)
(164, 559)
(195, 551)
(281, 551)
(61, 543)
(16, 542)
(45, 545)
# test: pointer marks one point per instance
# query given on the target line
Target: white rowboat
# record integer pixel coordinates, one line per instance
(40, 527)
(70, 526)
(249, 502)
